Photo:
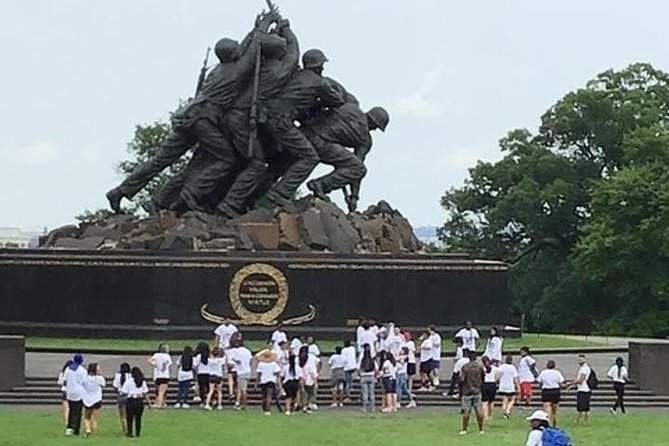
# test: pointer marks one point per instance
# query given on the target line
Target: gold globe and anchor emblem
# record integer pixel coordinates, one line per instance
(259, 295)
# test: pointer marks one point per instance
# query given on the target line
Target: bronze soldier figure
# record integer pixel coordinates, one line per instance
(198, 121)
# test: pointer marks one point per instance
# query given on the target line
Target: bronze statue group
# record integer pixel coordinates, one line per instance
(256, 129)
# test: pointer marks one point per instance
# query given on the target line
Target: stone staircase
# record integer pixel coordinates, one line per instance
(44, 392)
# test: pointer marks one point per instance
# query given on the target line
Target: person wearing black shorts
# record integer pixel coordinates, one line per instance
(551, 381)
(583, 390)
(290, 379)
(491, 378)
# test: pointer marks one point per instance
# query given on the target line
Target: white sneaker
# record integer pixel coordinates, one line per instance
(612, 410)
(185, 406)
(69, 432)
(267, 414)
(334, 405)
(463, 432)
(287, 412)
(177, 406)
(219, 407)
(435, 382)
(411, 405)
(207, 407)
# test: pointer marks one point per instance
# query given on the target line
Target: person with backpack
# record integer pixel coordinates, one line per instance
(541, 434)
(585, 382)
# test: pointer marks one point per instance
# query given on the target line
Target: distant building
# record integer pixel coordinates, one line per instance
(20, 238)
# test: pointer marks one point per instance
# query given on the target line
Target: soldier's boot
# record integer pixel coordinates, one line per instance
(316, 188)
(114, 197)
(225, 211)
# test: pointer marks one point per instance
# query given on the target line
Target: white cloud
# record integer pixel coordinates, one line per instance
(418, 103)
(41, 152)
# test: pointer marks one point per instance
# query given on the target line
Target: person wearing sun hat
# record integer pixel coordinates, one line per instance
(268, 373)
(539, 421)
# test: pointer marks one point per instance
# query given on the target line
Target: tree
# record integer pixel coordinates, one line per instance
(551, 206)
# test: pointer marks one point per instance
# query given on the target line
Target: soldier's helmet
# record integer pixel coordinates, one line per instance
(227, 50)
(313, 58)
(380, 117)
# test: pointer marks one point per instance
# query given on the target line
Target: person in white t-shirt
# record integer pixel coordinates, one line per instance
(92, 384)
(136, 391)
(295, 345)
(358, 332)
(368, 336)
(350, 366)
(411, 358)
(368, 371)
(426, 348)
(395, 341)
(268, 374)
(508, 385)
(291, 382)
(240, 358)
(435, 338)
(279, 336)
(281, 352)
(403, 379)
(120, 378)
(527, 373)
(223, 333)
(493, 349)
(492, 375)
(389, 381)
(308, 366)
(619, 375)
(74, 377)
(469, 336)
(185, 377)
(337, 363)
(583, 391)
(454, 386)
(538, 422)
(201, 366)
(63, 395)
(551, 381)
(216, 364)
(161, 362)
(313, 347)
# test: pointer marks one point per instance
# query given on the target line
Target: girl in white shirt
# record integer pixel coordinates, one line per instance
(120, 378)
(493, 348)
(368, 370)
(291, 379)
(161, 362)
(489, 389)
(268, 371)
(309, 370)
(184, 377)
(337, 362)
(551, 381)
(201, 365)
(619, 375)
(508, 385)
(411, 358)
(92, 398)
(216, 363)
(63, 388)
(389, 381)
(136, 391)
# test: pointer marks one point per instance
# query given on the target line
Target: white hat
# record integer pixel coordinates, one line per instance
(539, 415)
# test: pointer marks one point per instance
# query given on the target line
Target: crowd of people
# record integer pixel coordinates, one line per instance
(287, 374)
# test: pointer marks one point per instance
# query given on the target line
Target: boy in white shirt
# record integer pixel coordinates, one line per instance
(583, 391)
(223, 333)
(350, 366)
(240, 358)
(337, 363)
(527, 373)
(456, 385)
(469, 336)
(279, 336)
(435, 338)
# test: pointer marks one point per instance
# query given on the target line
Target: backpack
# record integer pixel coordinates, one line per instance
(592, 381)
(553, 436)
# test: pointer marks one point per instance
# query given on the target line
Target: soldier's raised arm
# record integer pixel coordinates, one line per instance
(289, 62)
(252, 42)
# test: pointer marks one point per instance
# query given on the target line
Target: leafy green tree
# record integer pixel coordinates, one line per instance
(552, 207)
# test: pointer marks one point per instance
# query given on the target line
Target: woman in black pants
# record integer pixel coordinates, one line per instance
(201, 364)
(136, 391)
(619, 375)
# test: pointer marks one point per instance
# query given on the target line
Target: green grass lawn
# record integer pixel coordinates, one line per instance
(534, 341)
(194, 427)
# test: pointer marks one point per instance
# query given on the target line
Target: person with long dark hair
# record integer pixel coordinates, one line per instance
(93, 384)
(74, 391)
(121, 399)
(493, 349)
(184, 377)
(137, 392)
(161, 362)
(368, 370)
(63, 390)
(619, 375)
(309, 370)
(291, 377)
(216, 363)
(201, 364)
(489, 389)
(389, 380)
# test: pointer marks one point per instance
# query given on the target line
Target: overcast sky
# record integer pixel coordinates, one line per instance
(78, 75)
